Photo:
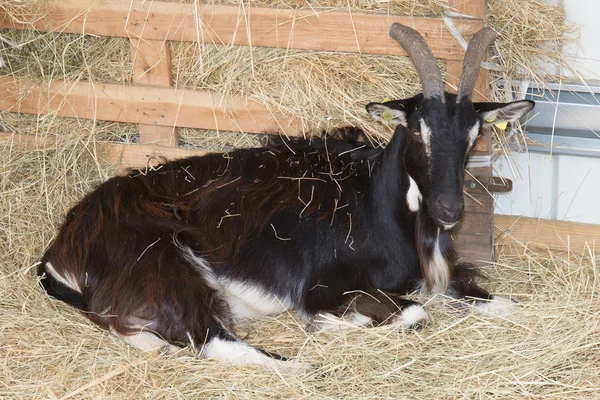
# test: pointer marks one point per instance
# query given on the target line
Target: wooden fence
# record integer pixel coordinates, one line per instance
(158, 108)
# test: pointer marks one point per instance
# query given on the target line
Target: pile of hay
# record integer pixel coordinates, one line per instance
(547, 349)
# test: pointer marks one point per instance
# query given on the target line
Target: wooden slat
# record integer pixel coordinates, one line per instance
(141, 155)
(121, 154)
(473, 8)
(479, 247)
(540, 233)
(267, 27)
(478, 202)
(474, 238)
(142, 104)
(32, 141)
(152, 66)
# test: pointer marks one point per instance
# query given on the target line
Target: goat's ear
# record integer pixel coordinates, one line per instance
(392, 112)
(497, 113)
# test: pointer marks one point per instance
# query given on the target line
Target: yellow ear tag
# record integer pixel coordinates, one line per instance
(386, 100)
(387, 116)
(501, 125)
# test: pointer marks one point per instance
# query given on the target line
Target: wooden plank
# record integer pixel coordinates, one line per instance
(477, 247)
(141, 155)
(144, 105)
(152, 66)
(121, 154)
(473, 239)
(266, 27)
(473, 8)
(546, 234)
(478, 202)
(31, 141)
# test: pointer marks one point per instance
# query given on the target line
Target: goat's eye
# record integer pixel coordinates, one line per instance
(417, 133)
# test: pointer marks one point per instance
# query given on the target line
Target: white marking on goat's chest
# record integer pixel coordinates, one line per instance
(473, 133)
(248, 300)
(413, 195)
(438, 268)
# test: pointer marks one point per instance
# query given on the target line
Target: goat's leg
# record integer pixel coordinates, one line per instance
(361, 309)
(463, 287)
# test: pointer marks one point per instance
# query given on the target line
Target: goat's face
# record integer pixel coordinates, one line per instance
(442, 127)
(439, 138)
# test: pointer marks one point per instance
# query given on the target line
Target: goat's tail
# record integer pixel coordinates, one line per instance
(62, 288)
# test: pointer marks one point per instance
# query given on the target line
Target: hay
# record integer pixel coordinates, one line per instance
(50, 56)
(18, 10)
(549, 349)
(533, 34)
(323, 89)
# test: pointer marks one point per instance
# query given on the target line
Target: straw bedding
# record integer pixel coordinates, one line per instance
(548, 349)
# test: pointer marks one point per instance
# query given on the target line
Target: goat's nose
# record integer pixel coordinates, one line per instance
(451, 208)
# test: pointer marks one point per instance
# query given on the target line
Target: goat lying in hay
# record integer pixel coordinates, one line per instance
(175, 256)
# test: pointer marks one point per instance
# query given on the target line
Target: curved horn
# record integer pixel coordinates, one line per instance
(473, 57)
(422, 57)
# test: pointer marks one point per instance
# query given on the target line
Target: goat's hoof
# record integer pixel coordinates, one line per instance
(497, 306)
(412, 317)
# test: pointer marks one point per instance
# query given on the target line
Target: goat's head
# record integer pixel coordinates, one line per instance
(441, 128)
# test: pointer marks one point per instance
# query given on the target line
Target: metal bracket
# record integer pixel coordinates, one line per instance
(496, 185)
(500, 185)
(482, 161)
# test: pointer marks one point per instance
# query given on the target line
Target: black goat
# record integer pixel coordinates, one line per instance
(326, 228)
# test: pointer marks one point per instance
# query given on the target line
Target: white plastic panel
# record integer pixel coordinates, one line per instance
(559, 187)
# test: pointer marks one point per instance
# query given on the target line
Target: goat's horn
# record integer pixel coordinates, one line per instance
(473, 57)
(422, 57)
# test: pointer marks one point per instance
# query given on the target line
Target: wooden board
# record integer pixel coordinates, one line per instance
(251, 26)
(472, 8)
(142, 155)
(540, 233)
(476, 247)
(119, 154)
(143, 104)
(152, 66)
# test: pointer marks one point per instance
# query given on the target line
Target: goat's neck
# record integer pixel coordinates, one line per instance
(390, 180)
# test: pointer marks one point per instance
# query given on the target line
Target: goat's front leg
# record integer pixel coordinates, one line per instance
(361, 309)
(463, 287)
